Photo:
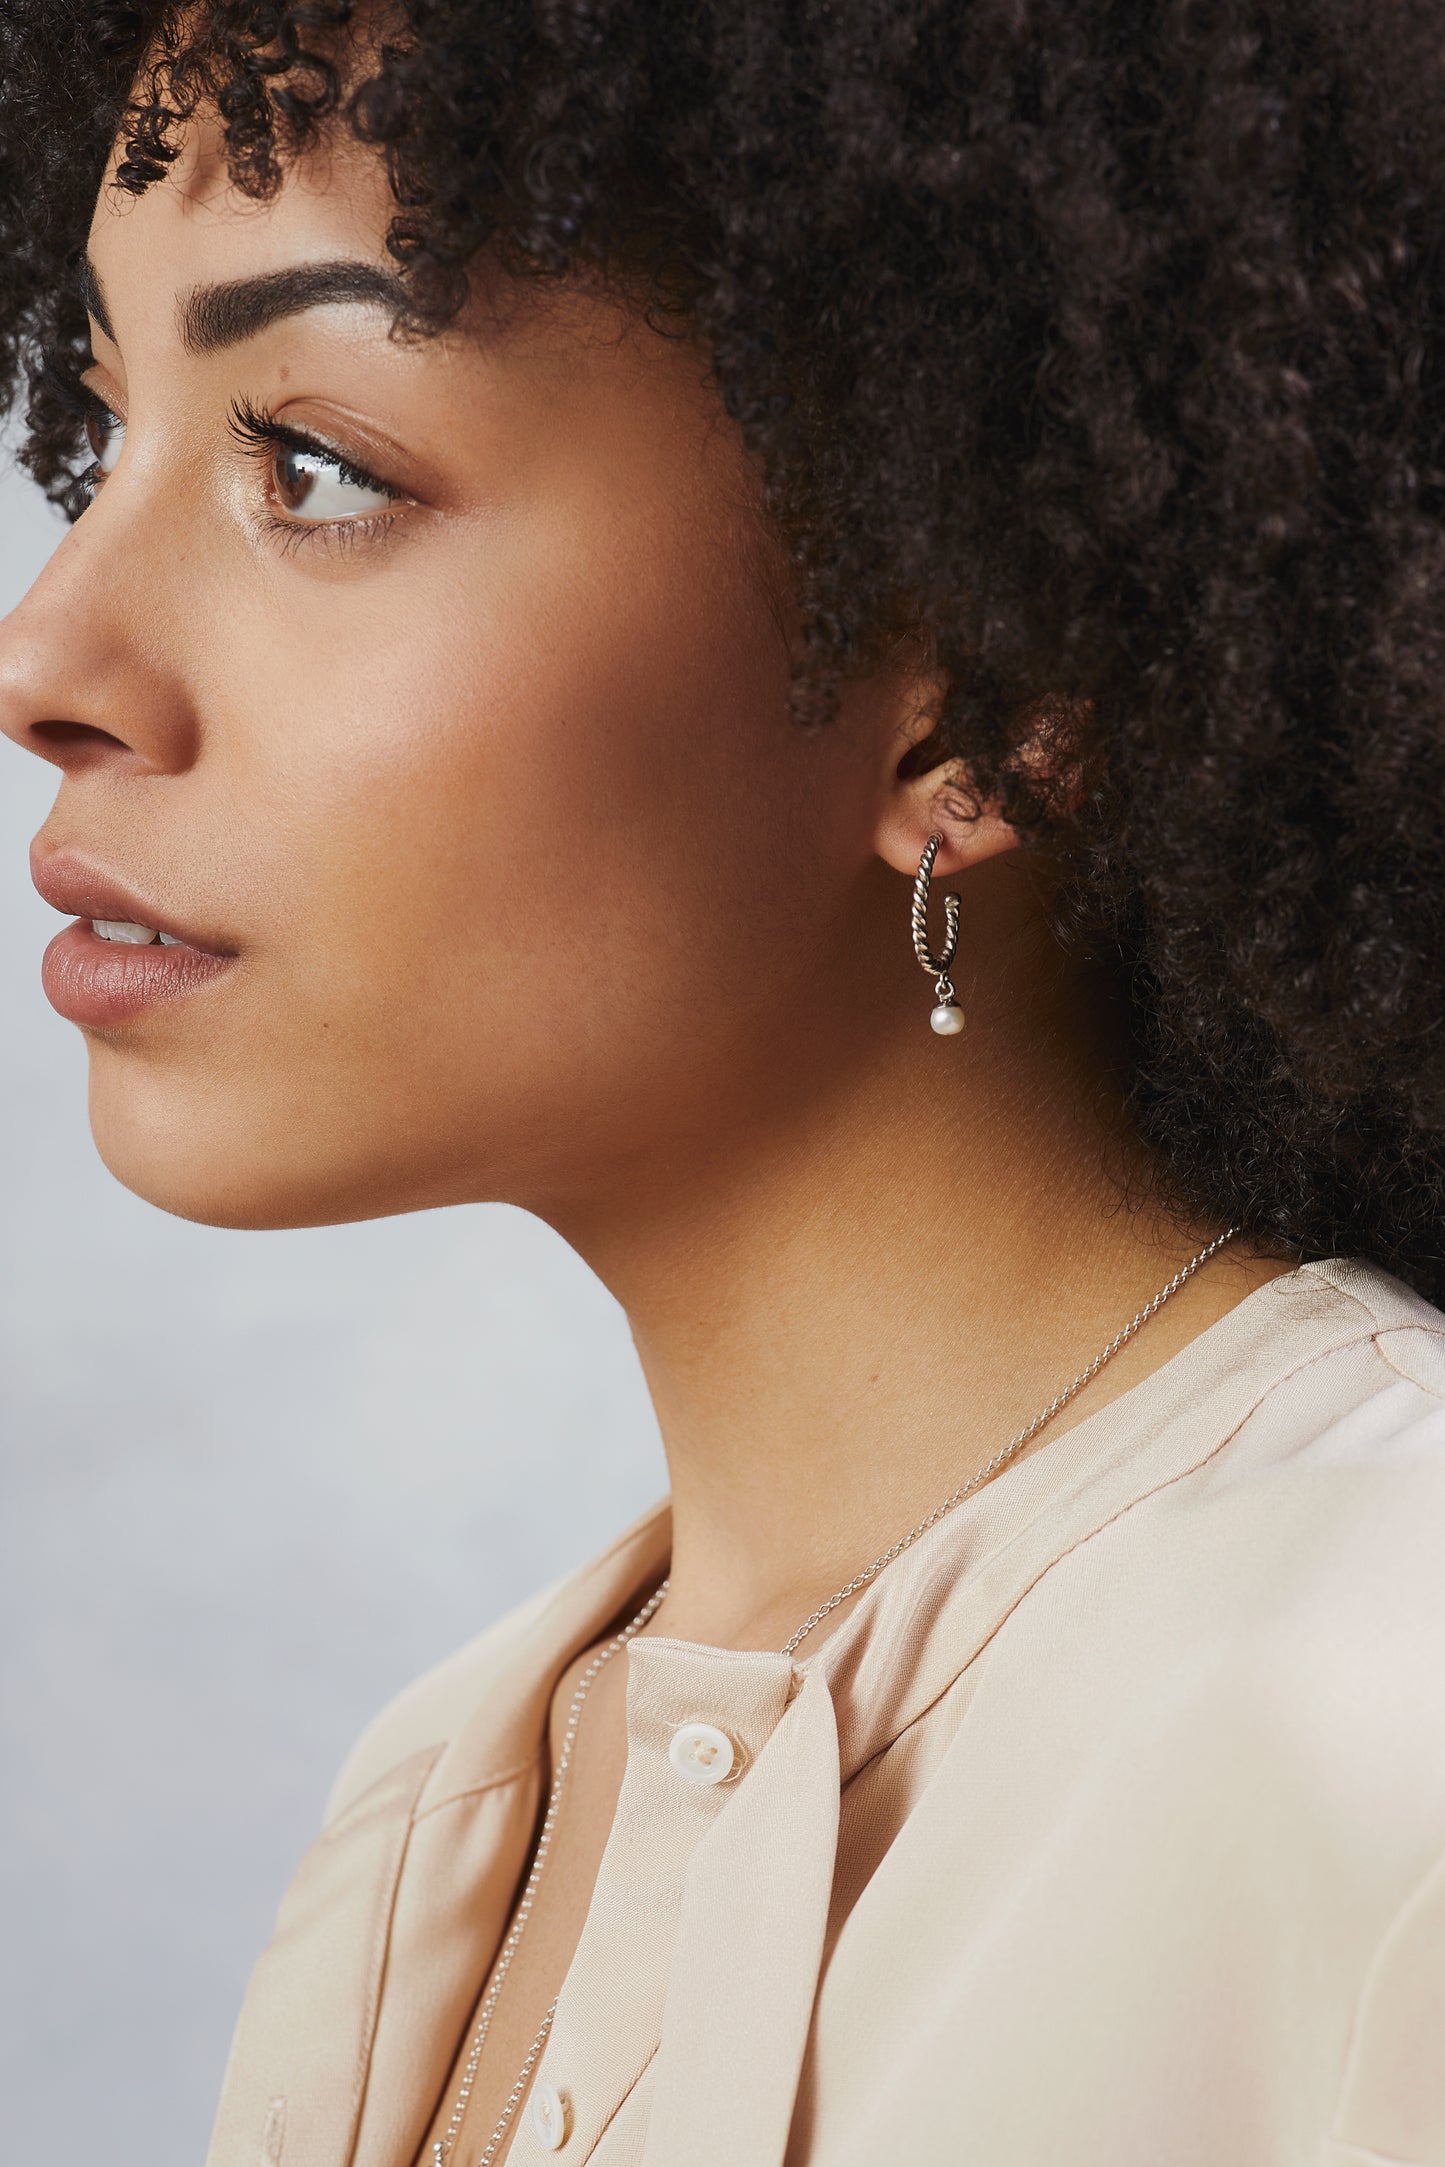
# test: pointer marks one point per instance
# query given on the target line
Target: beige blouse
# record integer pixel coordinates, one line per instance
(1107, 1831)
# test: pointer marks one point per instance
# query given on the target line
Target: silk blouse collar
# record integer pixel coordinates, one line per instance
(701, 1952)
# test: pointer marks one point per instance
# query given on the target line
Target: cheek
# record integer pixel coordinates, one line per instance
(525, 833)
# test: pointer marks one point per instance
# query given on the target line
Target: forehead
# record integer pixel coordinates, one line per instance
(196, 228)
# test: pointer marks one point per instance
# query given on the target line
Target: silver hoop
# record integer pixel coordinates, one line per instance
(947, 1016)
(937, 966)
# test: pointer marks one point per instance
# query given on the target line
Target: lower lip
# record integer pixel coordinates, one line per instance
(99, 984)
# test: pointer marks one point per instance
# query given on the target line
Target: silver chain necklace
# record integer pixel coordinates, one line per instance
(1006, 1452)
(447, 2140)
(444, 2145)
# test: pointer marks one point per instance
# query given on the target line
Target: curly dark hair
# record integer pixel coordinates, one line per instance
(1095, 342)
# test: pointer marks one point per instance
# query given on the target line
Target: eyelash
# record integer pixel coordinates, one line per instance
(64, 385)
(262, 436)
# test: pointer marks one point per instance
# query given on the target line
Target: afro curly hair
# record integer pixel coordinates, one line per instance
(1096, 342)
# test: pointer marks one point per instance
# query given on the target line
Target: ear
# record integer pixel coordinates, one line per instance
(917, 798)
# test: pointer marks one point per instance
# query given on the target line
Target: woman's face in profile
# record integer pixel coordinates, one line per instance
(438, 686)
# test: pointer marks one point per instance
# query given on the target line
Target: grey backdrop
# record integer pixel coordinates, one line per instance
(252, 1483)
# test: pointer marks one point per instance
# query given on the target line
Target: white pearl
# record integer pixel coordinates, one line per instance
(947, 1019)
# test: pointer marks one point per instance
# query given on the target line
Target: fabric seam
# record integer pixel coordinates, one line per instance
(1362, 2156)
(1373, 1969)
(619, 2104)
(1403, 1374)
(381, 1955)
(1157, 1489)
(475, 1790)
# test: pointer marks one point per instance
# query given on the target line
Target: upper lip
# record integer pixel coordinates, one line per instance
(69, 884)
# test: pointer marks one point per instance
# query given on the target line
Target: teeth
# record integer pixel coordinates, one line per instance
(121, 929)
(168, 940)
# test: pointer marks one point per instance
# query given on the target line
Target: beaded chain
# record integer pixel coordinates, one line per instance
(444, 2145)
(446, 2142)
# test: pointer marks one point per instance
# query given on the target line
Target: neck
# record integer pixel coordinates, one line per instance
(843, 1312)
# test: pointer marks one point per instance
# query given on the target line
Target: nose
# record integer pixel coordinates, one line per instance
(85, 678)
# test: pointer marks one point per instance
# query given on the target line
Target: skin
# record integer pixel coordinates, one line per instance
(539, 894)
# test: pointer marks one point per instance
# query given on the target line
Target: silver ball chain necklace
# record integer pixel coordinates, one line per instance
(445, 2144)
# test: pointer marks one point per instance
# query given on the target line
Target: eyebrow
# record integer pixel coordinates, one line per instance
(93, 297)
(212, 317)
(215, 316)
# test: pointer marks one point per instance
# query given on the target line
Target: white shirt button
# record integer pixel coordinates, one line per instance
(701, 1753)
(551, 2116)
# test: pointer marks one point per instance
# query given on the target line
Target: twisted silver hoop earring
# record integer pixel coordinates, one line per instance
(947, 1016)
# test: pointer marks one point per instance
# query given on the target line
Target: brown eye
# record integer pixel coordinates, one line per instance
(105, 434)
(317, 486)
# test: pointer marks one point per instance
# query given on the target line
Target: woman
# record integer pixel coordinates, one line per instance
(590, 514)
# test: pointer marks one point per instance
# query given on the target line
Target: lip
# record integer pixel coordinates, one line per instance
(71, 884)
(99, 984)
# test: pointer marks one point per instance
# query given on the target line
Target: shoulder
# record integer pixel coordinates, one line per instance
(484, 1706)
(1323, 1498)
(1276, 1607)
(1295, 1583)
(1405, 1330)
(427, 1714)
(1355, 1398)
(1330, 1497)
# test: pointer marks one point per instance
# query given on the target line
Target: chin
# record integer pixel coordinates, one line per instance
(236, 1192)
(206, 1154)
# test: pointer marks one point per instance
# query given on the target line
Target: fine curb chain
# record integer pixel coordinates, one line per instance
(444, 2144)
(447, 2140)
(1000, 1459)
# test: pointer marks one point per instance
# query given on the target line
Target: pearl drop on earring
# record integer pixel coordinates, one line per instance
(947, 1019)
